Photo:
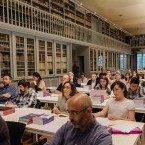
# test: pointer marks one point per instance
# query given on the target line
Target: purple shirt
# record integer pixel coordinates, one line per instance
(95, 134)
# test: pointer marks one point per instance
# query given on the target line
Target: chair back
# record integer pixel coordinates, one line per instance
(40, 142)
(16, 130)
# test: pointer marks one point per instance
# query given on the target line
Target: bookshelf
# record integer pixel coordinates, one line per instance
(4, 54)
(49, 58)
(61, 58)
(30, 56)
(42, 57)
(58, 58)
(20, 56)
(64, 58)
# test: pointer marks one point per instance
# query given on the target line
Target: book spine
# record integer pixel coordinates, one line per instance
(6, 112)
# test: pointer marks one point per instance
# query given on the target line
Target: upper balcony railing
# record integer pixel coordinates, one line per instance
(23, 15)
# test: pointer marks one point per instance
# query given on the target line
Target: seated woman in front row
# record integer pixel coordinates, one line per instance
(26, 96)
(118, 108)
(68, 90)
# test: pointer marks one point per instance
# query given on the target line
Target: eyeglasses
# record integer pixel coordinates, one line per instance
(74, 112)
(67, 87)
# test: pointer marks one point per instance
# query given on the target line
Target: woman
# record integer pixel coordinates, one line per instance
(127, 79)
(37, 83)
(68, 90)
(103, 85)
(26, 96)
(119, 108)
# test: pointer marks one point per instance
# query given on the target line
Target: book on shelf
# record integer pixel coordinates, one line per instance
(43, 119)
(28, 118)
(6, 110)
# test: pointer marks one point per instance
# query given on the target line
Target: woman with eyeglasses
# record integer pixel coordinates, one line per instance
(68, 90)
(119, 107)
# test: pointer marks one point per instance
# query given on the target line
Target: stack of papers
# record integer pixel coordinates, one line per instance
(126, 128)
(43, 119)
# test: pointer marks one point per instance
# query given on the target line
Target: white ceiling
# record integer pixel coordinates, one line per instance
(129, 14)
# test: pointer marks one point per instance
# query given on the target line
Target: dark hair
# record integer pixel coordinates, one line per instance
(36, 74)
(121, 85)
(24, 83)
(134, 80)
(7, 74)
(73, 88)
(104, 78)
(83, 73)
(127, 74)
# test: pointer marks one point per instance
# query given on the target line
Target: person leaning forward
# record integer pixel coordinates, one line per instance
(82, 129)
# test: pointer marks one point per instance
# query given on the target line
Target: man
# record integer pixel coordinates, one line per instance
(65, 78)
(135, 91)
(73, 79)
(26, 96)
(7, 92)
(4, 133)
(93, 82)
(75, 69)
(82, 129)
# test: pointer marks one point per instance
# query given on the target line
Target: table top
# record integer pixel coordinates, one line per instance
(52, 127)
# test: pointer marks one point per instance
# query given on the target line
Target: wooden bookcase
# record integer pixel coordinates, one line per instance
(20, 56)
(4, 54)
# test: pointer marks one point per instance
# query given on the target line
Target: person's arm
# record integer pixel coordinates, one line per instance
(11, 93)
(42, 85)
(32, 100)
(130, 117)
(103, 112)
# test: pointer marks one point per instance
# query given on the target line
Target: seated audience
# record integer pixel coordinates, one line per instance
(130, 72)
(102, 73)
(4, 133)
(82, 129)
(73, 79)
(116, 78)
(135, 91)
(135, 74)
(127, 79)
(108, 74)
(8, 91)
(93, 82)
(68, 90)
(103, 85)
(118, 108)
(82, 79)
(65, 78)
(26, 96)
(37, 83)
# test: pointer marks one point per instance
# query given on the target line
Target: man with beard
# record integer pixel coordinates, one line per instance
(82, 129)
(7, 92)
(26, 96)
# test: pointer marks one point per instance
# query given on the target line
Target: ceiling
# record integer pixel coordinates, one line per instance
(128, 14)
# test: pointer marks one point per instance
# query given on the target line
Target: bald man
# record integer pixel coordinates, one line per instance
(82, 129)
(65, 78)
